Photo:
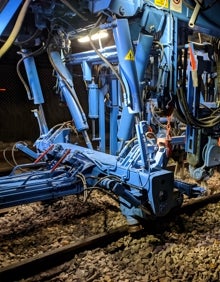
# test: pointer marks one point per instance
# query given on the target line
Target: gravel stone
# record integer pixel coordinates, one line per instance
(186, 248)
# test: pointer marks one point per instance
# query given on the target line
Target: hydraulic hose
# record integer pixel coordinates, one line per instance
(15, 29)
(183, 110)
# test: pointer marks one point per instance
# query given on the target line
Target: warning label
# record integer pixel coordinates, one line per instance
(162, 3)
(176, 5)
(130, 56)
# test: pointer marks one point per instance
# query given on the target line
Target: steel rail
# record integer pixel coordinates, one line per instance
(43, 262)
(39, 263)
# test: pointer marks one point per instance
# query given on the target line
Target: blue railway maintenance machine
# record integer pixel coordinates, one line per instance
(151, 71)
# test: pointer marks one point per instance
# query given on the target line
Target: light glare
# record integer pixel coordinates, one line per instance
(97, 36)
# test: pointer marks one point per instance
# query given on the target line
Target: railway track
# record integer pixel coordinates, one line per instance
(43, 262)
(39, 263)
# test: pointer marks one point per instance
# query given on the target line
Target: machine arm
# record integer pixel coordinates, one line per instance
(149, 90)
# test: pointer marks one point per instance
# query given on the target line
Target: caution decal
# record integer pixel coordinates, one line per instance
(162, 3)
(129, 56)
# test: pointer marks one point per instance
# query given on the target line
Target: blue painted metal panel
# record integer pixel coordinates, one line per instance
(8, 12)
(96, 6)
(124, 8)
(143, 49)
(110, 53)
(127, 64)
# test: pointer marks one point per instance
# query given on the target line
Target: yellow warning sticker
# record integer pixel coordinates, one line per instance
(162, 3)
(130, 56)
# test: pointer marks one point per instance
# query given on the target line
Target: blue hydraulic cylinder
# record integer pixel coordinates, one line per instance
(141, 130)
(86, 69)
(35, 90)
(127, 64)
(126, 125)
(68, 91)
(33, 79)
(75, 112)
(93, 97)
(102, 127)
(114, 109)
(7, 12)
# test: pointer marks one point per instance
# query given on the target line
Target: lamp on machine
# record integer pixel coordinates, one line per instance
(96, 36)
